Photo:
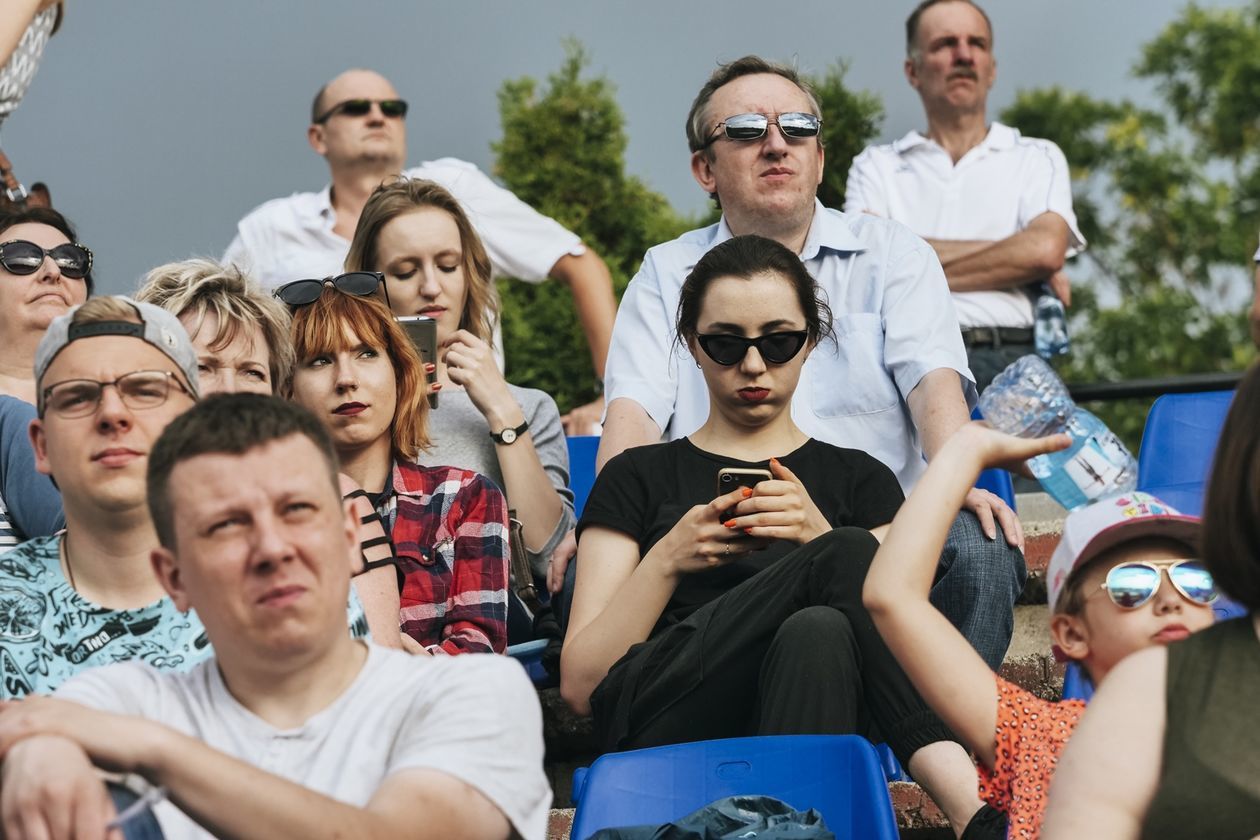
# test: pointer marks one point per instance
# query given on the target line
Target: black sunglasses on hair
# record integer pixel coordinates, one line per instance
(393, 108)
(794, 125)
(775, 348)
(358, 283)
(18, 256)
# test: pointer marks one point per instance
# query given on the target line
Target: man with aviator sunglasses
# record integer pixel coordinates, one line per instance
(1124, 577)
(358, 126)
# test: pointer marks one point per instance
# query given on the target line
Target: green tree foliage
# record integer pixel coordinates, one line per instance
(1169, 198)
(851, 120)
(563, 152)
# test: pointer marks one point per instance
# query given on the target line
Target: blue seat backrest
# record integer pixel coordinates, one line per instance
(582, 449)
(840, 775)
(1178, 444)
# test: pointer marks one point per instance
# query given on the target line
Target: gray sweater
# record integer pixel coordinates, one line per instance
(461, 438)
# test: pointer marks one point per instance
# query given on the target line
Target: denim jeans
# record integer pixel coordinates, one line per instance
(977, 583)
(142, 826)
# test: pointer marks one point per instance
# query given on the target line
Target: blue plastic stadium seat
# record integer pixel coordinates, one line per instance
(582, 449)
(529, 654)
(1178, 444)
(840, 775)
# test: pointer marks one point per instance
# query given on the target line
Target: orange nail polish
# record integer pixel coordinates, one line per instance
(730, 523)
(747, 491)
(775, 461)
(748, 531)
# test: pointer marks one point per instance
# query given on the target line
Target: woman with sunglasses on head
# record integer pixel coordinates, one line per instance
(419, 237)
(1170, 746)
(704, 613)
(43, 272)
(241, 335)
(359, 374)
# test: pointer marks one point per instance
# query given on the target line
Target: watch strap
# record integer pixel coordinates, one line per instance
(497, 437)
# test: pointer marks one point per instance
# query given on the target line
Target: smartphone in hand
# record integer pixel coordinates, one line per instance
(730, 478)
(422, 330)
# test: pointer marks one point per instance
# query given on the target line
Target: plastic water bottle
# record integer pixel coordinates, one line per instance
(1029, 400)
(1050, 335)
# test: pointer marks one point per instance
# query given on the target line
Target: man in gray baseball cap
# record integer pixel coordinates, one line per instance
(110, 375)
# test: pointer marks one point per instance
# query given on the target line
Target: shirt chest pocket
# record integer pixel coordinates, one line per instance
(848, 377)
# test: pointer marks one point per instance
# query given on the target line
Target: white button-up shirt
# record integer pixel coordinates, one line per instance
(894, 323)
(993, 192)
(292, 238)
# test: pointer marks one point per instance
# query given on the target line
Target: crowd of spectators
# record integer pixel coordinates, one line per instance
(269, 524)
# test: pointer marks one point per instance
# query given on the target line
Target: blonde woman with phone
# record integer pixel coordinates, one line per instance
(697, 617)
(417, 235)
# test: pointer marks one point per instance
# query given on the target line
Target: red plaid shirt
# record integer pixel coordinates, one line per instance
(449, 527)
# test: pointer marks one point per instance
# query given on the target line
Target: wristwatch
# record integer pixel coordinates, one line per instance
(509, 436)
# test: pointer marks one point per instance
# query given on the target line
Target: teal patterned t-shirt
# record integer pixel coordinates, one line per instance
(49, 633)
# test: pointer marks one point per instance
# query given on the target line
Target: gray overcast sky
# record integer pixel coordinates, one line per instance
(159, 123)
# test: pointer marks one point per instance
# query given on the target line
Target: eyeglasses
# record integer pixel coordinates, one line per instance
(775, 348)
(393, 108)
(358, 283)
(18, 256)
(139, 390)
(754, 126)
(1130, 585)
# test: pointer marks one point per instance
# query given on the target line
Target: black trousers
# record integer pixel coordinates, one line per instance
(791, 650)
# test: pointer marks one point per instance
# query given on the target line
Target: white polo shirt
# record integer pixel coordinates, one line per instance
(894, 323)
(993, 192)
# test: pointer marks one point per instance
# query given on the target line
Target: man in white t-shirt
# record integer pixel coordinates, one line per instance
(995, 206)
(357, 125)
(292, 729)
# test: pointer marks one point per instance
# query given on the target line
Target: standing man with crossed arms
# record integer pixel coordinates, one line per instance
(994, 205)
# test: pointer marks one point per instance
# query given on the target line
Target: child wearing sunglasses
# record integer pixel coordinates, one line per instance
(1125, 576)
(705, 613)
(1170, 747)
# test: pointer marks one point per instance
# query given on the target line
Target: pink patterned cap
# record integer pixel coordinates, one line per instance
(1108, 522)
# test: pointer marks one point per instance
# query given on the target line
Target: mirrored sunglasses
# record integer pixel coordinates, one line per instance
(775, 348)
(1130, 585)
(358, 283)
(794, 125)
(393, 108)
(18, 256)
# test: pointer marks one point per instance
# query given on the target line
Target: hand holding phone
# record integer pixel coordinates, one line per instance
(731, 478)
(422, 330)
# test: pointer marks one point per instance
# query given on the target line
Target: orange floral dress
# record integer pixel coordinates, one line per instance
(1031, 734)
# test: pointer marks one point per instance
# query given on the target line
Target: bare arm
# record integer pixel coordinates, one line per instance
(1109, 771)
(588, 280)
(15, 17)
(469, 362)
(233, 799)
(619, 598)
(939, 409)
(1033, 254)
(627, 425)
(941, 663)
(1255, 310)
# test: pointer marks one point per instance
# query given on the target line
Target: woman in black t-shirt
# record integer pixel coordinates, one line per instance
(697, 617)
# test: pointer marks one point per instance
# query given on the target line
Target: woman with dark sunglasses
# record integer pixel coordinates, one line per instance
(1170, 746)
(434, 264)
(701, 613)
(359, 374)
(43, 272)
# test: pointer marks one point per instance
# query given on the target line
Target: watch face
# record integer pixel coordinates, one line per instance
(508, 436)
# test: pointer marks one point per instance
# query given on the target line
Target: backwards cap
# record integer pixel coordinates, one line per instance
(157, 327)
